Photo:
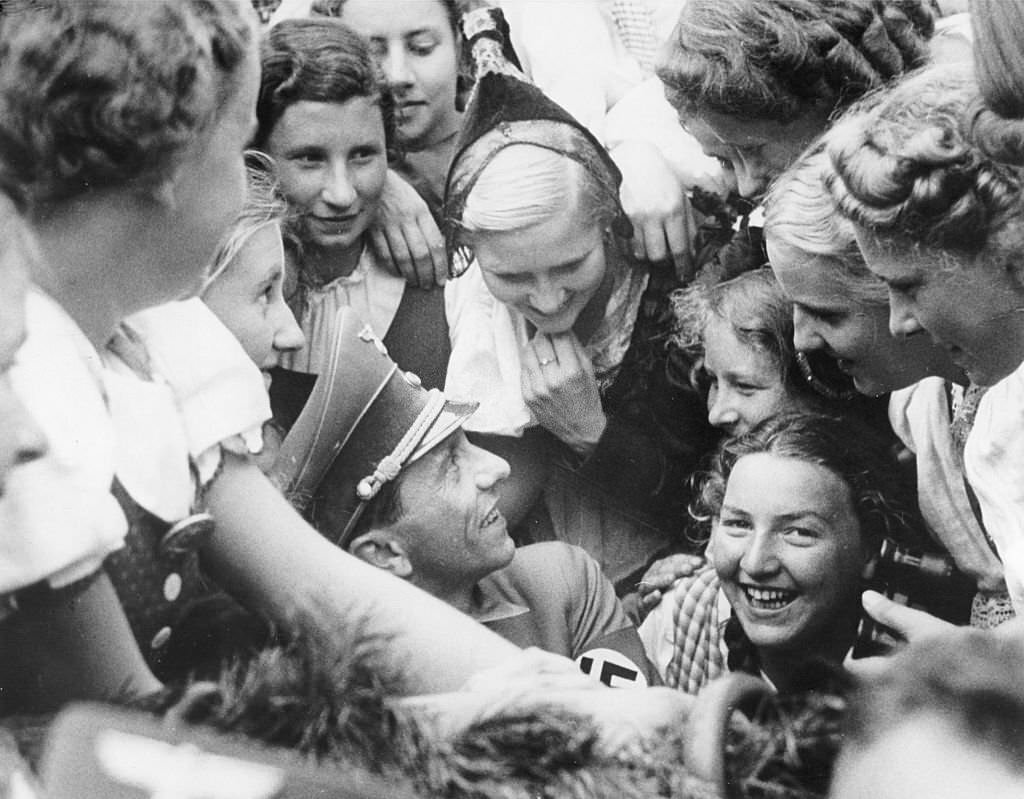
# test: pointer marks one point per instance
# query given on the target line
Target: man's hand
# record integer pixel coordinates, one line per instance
(405, 235)
(660, 577)
(656, 203)
(560, 389)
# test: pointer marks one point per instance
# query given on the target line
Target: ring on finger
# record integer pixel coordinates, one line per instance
(546, 361)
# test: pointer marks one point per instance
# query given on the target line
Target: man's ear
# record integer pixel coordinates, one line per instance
(384, 551)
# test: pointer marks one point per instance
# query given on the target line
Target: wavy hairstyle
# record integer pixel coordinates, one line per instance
(996, 119)
(778, 59)
(756, 309)
(96, 95)
(903, 169)
(854, 453)
(319, 60)
(800, 216)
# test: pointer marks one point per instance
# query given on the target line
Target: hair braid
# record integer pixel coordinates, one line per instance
(778, 59)
(902, 167)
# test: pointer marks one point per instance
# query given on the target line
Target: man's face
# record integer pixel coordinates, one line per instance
(450, 519)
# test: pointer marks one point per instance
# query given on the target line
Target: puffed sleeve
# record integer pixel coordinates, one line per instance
(220, 393)
(58, 520)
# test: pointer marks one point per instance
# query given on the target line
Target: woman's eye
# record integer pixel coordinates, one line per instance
(734, 525)
(801, 535)
(365, 154)
(422, 46)
(514, 278)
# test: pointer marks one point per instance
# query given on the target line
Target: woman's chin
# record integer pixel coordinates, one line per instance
(552, 324)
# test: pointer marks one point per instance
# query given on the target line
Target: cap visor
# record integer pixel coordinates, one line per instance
(452, 417)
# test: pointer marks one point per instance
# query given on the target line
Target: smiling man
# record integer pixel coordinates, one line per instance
(391, 477)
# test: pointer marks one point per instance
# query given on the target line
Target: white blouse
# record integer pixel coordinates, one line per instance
(371, 291)
(58, 519)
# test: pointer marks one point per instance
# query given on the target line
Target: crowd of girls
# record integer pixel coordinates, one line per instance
(742, 406)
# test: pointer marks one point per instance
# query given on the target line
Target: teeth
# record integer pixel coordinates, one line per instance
(768, 598)
(491, 517)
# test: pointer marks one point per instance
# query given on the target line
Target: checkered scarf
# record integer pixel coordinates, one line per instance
(698, 654)
(636, 29)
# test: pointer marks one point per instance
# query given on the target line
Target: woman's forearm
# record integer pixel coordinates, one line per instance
(70, 644)
(272, 560)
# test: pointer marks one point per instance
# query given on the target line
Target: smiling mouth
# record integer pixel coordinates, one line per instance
(768, 598)
(336, 220)
(493, 516)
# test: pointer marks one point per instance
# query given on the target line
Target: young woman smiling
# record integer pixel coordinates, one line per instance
(326, 119)
(784, 582)
(557, 330)
(417, 46)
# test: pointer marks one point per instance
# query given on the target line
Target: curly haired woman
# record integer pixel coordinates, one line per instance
(756, 80)
(938, 220)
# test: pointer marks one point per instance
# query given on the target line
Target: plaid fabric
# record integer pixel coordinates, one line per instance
(963, 418)
(698, 655)
(635, 26)
(959, 429)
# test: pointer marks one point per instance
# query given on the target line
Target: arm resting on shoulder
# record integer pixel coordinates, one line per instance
(272, 560)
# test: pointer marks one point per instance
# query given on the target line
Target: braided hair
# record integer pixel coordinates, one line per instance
(996, 118)
(778, 59)
(903, 169)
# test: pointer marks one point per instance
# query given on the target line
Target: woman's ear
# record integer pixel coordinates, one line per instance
(384, 551)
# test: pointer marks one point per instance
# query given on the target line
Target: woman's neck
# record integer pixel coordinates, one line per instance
(781, 666)
(431, 159)
(593, 314)
(326, 264)
(91, 267)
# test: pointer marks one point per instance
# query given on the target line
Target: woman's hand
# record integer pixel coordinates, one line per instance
(560, 389)
(660, 577)
(908, 625)
(656, 203)
(405, 234)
